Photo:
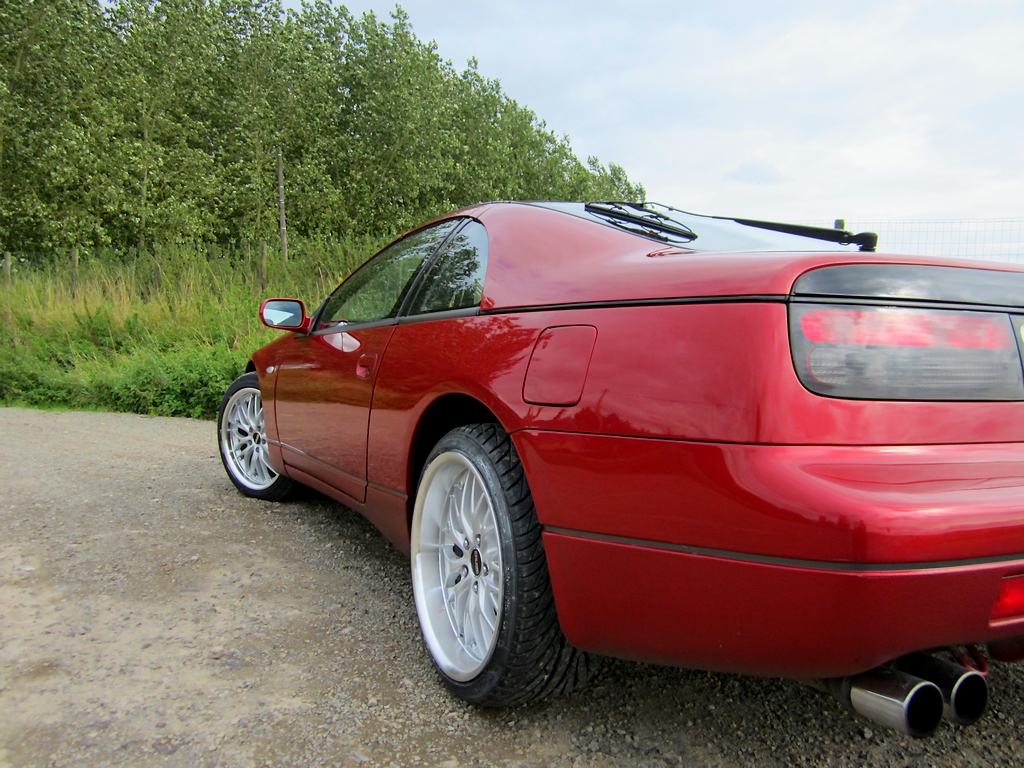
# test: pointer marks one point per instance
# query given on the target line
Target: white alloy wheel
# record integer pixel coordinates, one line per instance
(457, 566)
(243, 440)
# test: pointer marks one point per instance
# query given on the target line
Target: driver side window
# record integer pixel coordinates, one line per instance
(376, 290)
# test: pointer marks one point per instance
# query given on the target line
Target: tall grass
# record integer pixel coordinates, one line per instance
(161, 333)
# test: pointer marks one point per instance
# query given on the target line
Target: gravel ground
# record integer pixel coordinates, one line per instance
(150, 615)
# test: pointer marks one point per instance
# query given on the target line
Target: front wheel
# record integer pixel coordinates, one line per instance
(480, 578)
(243, 442)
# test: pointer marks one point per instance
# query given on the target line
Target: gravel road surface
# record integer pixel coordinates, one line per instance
(150, 615)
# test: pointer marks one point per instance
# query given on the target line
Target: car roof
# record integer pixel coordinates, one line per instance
(539, 256)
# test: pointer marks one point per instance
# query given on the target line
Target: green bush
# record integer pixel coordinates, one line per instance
(112, 339)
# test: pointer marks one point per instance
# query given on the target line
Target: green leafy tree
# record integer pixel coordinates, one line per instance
(57, 123)
(173, 190)
(152, 121)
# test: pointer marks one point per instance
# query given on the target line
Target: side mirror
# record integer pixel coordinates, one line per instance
(285, 315)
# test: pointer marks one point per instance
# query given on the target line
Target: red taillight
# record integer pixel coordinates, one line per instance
(1010, 602)
(906, 329)
(904, 353)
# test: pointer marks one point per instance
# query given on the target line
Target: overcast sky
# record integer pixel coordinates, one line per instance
(793, 110)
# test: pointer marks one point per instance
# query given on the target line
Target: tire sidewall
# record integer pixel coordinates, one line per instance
(480, 687)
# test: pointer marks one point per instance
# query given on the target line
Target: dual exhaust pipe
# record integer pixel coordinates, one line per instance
(913, 694)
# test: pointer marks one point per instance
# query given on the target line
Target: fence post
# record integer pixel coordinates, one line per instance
(74, 272)
(263, 265)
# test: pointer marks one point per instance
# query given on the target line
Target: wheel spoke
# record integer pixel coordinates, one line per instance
(464, 517)
(461, 594)
(259, 465)
(481, 508)
(489, 601)
(455, 523)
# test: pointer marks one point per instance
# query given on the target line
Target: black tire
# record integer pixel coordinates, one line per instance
(257, 479)
(531, 658)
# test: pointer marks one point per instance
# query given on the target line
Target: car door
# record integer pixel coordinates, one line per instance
(325, 382)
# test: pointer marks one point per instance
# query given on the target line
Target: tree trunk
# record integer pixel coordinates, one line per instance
(263, 265)
(7, 284)
(74, 272)
(145, 180)
(159, 273)
(280, 199)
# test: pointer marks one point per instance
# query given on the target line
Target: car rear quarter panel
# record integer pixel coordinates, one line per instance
(714, 372)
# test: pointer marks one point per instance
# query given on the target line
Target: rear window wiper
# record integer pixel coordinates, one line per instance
(865, 240)
(636, 218)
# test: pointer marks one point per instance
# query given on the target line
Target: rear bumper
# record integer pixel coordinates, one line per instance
(802, 561)
(670, 607)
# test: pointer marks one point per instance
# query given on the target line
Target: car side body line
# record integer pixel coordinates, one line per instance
(834, 504)
(737, 299)
(795, 563)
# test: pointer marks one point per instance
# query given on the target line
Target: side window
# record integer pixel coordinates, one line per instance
(375, 291)
(456, 279)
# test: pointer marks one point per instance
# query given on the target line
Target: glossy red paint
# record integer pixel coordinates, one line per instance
(265, 362)
(682, 424)
(484, 358)
(322, 403)
(539, 257)
(841, 504)
(558, 366)
(762, 619)
(649, 377)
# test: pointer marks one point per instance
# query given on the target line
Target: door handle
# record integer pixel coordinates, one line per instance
(364, 367)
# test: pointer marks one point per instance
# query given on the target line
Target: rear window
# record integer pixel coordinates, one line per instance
(718, 234)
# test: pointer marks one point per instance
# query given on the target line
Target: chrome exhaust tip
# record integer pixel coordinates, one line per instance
(964, 691)
(891, 698)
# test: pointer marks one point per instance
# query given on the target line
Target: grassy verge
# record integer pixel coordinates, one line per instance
(163, 334)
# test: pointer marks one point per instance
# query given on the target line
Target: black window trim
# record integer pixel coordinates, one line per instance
(414, 292)
(355, 326)
(316, 330)
(443, 314)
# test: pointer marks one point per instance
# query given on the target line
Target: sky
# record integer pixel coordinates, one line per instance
(785, 110)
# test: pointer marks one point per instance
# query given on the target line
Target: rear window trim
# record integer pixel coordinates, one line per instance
(905, 303)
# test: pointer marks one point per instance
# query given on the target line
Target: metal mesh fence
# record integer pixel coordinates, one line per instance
(988, 239)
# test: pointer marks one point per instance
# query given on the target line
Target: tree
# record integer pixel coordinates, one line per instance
(173, 188)
(151, 121)
(56, 123)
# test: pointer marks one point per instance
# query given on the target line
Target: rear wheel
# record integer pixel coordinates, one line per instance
(480, 578)
(243, 442)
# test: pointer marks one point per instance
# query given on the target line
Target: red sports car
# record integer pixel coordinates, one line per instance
(626, 430)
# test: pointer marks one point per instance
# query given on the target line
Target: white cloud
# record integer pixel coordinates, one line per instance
(800, 110)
